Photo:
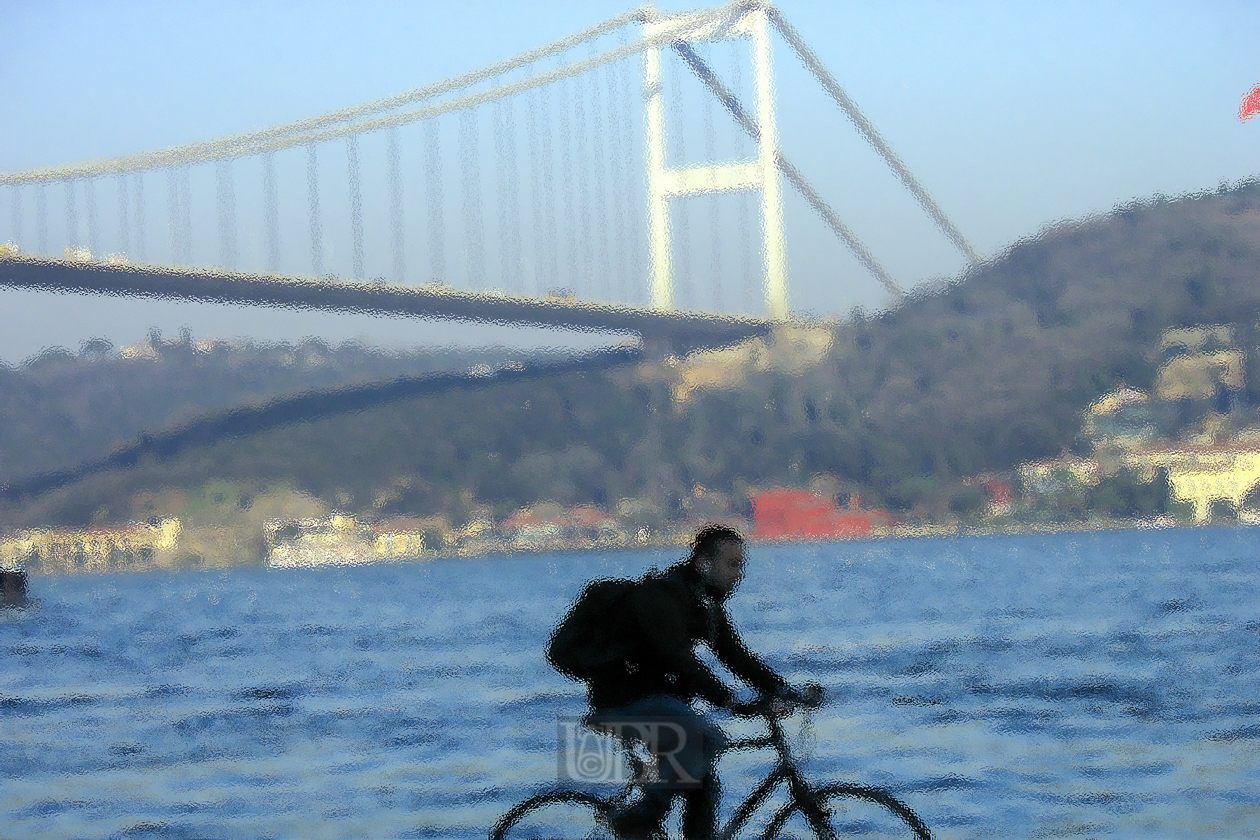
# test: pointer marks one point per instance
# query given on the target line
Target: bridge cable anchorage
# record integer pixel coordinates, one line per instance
(271, 211)
(433, 193)
(871, 135)
(356, 206)
(312, 197)
(394, 176)
(787, 169)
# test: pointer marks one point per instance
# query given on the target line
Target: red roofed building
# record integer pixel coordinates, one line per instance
(800, 514)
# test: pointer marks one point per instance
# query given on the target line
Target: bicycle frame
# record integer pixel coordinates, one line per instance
(800, 792)
(804, 798)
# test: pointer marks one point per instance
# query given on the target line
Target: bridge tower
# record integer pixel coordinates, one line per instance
(664, 183)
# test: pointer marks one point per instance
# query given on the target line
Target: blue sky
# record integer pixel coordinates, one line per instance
(1014, 115)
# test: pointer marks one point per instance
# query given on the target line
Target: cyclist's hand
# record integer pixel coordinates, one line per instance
(807, 696)
(811, 695)
(752, 708)
(779, 708)
(761, 707)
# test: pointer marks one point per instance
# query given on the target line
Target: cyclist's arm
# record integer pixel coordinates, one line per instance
(745, 664)
(662, 624)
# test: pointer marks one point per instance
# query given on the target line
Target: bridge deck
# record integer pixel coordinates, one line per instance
(673, 331)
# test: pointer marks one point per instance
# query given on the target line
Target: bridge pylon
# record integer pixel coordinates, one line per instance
(750, 21)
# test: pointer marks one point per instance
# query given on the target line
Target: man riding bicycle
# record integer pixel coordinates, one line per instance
(663, 617)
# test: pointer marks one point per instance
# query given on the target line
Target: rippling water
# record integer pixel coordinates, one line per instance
(1093, 685)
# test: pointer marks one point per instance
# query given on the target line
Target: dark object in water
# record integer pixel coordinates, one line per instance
(12, 588)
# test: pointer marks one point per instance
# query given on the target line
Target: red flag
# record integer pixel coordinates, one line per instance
(1250, 104)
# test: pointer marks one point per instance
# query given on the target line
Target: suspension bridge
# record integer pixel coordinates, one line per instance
(627, 178)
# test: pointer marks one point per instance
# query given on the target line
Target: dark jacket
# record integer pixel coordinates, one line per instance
(666, 615)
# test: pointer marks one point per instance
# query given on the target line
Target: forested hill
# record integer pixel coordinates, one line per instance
(973, 376)
(60, 409)
(995, 368)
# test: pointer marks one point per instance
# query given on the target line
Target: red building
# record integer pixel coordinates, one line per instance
(800, 514)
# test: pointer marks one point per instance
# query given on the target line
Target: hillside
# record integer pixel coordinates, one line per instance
(976, 375)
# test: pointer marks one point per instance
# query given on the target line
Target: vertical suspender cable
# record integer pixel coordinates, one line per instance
(356, 205)
(512, 248)
(617, 142)
(500, 182)
(584, 229)
(312, 195)
(89, 196)
(41, 218)
(599, 149)
(433, 191)
(744, 233)
(172, 210)
(72, 217)
(789, 171)
(535, 190)
(638, 293)
(271, 211)
(124, 217)
(15, 205)
(683, 278)
(715, 243)
(138, 184)
(396, 205)
(873, 137)
(474, 233)
(566, 187)
(225, 194)
(551, 247)
(185, 214)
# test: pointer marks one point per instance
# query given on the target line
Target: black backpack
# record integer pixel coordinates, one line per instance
(597, 631)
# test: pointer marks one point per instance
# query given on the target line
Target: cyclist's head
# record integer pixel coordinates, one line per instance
(717, 553)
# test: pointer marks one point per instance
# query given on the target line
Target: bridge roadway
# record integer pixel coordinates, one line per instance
(662, 332)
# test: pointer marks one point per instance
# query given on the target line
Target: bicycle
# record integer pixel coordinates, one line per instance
(572, 813)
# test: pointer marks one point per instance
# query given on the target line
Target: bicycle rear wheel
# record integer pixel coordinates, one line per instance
(558, 815)
(850, 811)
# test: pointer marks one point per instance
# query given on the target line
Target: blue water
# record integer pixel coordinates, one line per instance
(1090, 685)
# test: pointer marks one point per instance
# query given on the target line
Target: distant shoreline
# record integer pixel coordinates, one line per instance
(680, 542)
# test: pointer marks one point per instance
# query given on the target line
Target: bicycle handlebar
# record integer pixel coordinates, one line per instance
(810, 696)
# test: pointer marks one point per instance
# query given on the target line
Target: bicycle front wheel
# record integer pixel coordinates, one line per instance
(849, 811)
(558, 815)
